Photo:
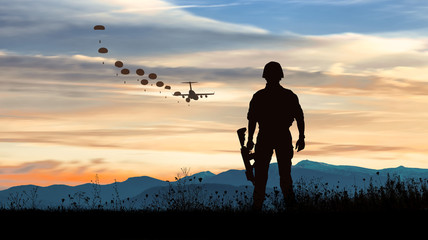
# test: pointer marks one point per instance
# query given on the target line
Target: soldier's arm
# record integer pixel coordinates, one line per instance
(298, 115)
(300, 145)
(251, 129)
(301, 126)
(251, 124)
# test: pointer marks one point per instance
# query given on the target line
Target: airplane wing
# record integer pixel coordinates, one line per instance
(180, 94)
(204, 94)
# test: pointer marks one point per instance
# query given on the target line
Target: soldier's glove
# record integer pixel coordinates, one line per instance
(300, 144)
(250, 145)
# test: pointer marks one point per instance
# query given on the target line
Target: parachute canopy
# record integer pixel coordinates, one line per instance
(159, 84)
(124, 71)
(103, 50)
(99, 27)
(118, 64)
(168, 87)
(144, 82)
(153, 76)
(140, 72)
(177, 93)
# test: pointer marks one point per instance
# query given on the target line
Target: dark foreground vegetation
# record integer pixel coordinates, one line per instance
(107, 224)
(184, 210)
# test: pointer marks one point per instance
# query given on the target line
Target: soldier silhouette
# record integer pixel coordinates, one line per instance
(274, 108)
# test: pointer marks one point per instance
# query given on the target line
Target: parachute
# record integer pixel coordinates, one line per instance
(118, 64)
(153, 76)
(140, 72)
(103, 50)
(159, 84)
(144, 82)
(168, 87)
(99, 27)
(125, 71)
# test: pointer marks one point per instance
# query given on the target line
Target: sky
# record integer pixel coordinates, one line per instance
(359, 68)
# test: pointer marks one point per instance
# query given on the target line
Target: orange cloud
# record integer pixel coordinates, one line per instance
(48, 172)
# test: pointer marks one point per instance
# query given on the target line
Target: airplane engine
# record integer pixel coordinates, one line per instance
(187, 99)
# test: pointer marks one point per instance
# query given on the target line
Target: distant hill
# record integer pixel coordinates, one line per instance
(54, 195)
(334, 175)
(232, 180)
(348, 176)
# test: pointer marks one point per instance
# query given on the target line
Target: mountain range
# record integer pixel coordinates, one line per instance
(137, 188)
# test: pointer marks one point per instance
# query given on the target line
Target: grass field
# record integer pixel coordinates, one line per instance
(397, 204)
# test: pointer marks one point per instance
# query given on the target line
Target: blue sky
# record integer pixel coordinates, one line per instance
(37, 24)
(315, 17)
(359, 67)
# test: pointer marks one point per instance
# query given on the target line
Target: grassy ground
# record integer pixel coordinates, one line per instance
(397, 206)
(90, 224)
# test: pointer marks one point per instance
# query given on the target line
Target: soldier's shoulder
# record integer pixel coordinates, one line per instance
(289, 92)
(260, 92)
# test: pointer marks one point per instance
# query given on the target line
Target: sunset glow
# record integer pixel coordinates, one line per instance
(65, 116)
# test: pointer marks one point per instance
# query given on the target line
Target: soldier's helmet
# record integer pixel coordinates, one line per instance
(273, 70)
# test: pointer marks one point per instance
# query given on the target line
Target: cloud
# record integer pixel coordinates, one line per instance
(98, 161)
(166, 6)
(79, 79)
(354, 149)
(99, 111)
(414, 10)
(165, 30)
(28, 167)
(332, 2)
(192, 41)
(151, 137)
(81, 83)
(340, 54)
(48, 172)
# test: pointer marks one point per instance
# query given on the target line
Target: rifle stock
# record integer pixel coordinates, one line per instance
(246, 156)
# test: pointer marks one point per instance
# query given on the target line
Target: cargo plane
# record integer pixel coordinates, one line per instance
(192, 94)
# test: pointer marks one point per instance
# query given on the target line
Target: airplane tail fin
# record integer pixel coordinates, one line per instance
(190, 83)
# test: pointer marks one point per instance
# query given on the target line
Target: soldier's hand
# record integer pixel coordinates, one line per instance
(250, 145)
(300, 144)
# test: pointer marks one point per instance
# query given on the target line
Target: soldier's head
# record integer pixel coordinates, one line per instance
(273, 72)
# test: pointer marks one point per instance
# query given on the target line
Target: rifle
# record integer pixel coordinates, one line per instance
(246, 156)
